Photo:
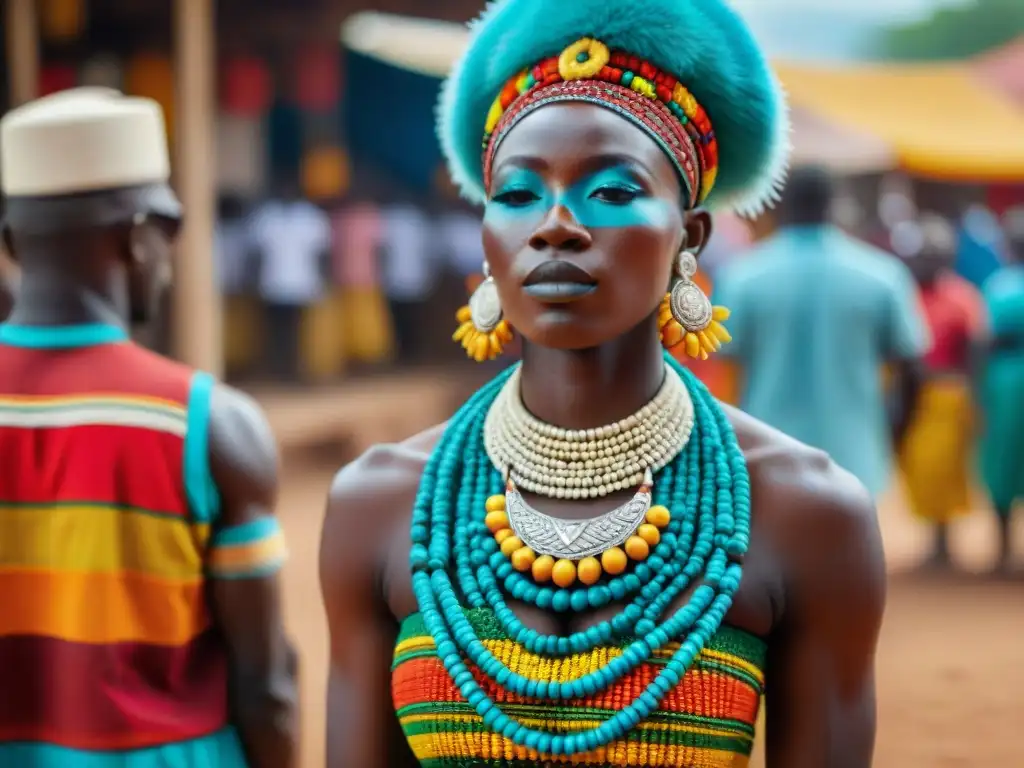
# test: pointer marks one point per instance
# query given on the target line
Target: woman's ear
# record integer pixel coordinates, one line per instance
(698, 230)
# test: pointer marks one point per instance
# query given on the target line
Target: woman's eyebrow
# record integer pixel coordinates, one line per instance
(606, 160)
(531, 162)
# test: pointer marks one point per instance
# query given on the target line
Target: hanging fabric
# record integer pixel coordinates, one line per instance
(241, 155)
(57, 77)
(317, 77)
(246, 87)
(62, 20)
(152, 75)
(325, 173)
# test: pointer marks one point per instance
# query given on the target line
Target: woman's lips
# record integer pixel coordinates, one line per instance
(558, 292)
(558, 282)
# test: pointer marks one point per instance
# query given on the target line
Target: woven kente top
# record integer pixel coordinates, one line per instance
(707, 721)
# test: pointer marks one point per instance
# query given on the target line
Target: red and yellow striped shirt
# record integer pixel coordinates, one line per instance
(107, 521)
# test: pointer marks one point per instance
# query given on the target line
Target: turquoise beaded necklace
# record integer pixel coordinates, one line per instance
(707, 489)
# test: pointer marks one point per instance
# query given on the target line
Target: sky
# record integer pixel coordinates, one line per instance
(829, 30)
(882, 10)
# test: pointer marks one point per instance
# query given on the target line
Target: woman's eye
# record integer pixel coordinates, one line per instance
(615, 195)
(516, 197)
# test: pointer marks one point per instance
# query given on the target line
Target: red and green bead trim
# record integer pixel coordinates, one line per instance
(589, 59)
(650, 115)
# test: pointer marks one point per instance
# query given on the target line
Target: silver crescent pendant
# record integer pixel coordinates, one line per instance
(485, 306)
(576, 539)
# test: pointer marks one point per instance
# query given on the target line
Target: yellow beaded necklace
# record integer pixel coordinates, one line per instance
(565, 572)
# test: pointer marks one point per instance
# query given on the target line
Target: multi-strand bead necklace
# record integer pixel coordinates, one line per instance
(586, 464)
(580, 464)
(704, 491)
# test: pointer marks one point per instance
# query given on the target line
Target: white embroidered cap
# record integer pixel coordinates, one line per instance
(82, 140)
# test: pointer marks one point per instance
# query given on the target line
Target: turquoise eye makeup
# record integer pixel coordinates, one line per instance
(521, 192)
(611, 197)
(614, 197)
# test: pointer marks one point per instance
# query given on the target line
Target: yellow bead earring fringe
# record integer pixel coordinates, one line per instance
(686, 316)
(482, 331)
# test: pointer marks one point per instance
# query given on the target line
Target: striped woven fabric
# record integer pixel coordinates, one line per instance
(106, 645)
(707, 721)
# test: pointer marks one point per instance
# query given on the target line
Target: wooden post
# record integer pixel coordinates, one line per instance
(197, 312)
(22, 29)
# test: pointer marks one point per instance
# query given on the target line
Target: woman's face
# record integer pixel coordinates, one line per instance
(582, 226)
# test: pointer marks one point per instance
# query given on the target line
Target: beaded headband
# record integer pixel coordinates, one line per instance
(651, 99)
(672, 67)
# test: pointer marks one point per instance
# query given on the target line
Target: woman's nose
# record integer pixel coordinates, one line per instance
(560, 231)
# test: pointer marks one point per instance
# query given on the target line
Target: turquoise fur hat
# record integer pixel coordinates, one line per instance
(703, 43)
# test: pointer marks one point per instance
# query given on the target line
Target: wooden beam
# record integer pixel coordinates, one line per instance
(197, 310)
(21, 24)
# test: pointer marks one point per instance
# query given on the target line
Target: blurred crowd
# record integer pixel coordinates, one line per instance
(891, 339)
(313, 290)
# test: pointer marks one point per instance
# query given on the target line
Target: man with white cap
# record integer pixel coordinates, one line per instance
(140, 622)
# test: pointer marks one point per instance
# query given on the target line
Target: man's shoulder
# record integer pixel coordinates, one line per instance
(804, 492)
(748, 267)
(133, 367)
(870, 265)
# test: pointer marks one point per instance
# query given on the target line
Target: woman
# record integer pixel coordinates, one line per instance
(936, 451)
(585, 616)
(1001, 388)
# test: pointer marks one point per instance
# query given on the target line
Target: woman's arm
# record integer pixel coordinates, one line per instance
(821, 672)
(368, 499)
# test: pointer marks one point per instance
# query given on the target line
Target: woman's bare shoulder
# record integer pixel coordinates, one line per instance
(789, 468)
(382, 476)
(801, 495)
(369, 500)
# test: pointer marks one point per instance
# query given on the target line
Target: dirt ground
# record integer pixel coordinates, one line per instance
(950, 666)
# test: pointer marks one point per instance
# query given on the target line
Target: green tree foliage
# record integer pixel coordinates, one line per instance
(956, 32)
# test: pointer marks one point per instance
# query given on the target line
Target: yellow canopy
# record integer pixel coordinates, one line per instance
(940, 120)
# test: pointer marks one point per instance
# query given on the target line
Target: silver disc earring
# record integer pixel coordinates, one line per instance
(690, 306)
(483, 331)
(485, 305)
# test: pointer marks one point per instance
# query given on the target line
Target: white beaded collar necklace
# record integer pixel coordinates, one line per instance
(592, 463)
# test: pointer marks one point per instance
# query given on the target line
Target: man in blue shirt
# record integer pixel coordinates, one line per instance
(816, 317)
